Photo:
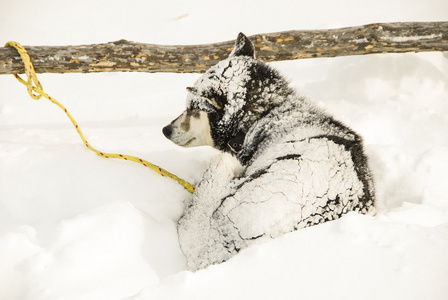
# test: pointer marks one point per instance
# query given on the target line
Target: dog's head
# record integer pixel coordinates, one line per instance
(226, 101)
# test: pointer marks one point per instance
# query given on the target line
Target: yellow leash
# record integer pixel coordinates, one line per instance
(33, 84)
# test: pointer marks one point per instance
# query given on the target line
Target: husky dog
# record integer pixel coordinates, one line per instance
(291, 165)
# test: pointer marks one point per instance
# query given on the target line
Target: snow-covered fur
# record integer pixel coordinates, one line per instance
(289, 165)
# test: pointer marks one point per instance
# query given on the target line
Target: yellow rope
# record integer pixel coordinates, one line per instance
(33, 84)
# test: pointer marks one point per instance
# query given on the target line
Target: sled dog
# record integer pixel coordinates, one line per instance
(286, 164)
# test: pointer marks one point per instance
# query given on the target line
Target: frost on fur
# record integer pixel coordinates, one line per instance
(291, 164)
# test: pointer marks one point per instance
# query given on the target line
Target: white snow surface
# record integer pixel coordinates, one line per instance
(77, 226)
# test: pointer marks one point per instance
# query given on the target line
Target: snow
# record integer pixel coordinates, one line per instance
(76, 226)
(412, 38)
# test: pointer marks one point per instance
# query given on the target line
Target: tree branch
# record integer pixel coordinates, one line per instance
(125, 56)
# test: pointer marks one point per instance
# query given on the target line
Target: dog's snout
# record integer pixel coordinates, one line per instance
(167, 130)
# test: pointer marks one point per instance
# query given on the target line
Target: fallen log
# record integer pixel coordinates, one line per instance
(126, 56)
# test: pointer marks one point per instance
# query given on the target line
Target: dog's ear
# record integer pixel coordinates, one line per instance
(243, 47)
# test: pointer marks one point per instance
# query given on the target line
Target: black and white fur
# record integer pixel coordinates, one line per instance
(291, 165)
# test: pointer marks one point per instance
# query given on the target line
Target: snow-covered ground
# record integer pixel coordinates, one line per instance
(77, 226)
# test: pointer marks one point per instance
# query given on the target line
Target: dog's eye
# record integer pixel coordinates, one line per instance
(215, 103)
(204, 98)
(203, 105)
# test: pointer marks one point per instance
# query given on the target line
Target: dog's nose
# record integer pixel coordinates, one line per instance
(167, 130)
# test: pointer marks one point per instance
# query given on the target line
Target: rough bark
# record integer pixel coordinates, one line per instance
(126, 56)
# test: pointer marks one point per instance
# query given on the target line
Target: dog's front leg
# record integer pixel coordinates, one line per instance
(198, 231)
